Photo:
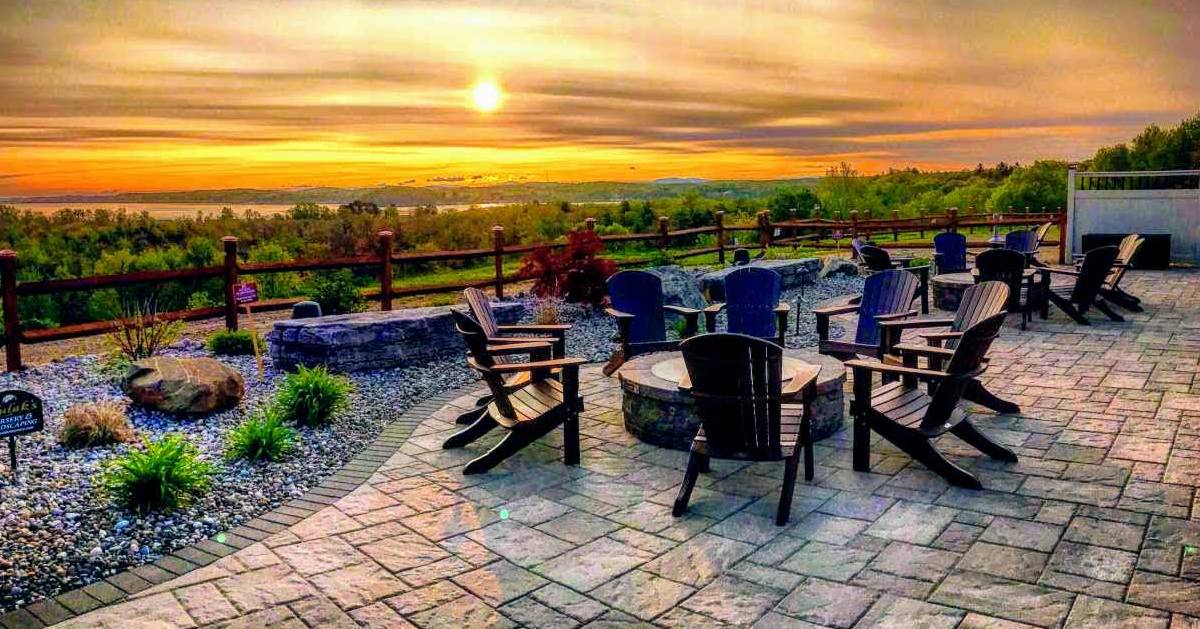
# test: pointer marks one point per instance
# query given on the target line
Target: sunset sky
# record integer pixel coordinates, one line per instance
(142, 95)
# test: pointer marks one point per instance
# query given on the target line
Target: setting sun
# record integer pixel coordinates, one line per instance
(486, 96)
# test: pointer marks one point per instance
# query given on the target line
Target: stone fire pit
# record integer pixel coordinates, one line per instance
(657, 413)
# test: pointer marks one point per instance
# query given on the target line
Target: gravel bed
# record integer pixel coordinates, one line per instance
(57, 534)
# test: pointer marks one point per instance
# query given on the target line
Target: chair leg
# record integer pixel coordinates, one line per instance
(790, 466)
(923, 451)
(482, 426)
(571, 439)
(1068, 308)
(975, 392)
(808, 459)
(862, 445)
(474, 414)
(508, 446)
(966, 431)
(689, 481)
(1102, 306)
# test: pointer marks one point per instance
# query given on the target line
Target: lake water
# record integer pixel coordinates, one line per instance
(190, 210)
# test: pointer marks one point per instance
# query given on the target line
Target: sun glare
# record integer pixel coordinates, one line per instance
(486, 96)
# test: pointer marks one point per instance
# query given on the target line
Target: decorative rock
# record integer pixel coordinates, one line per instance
(306, 310)
(838, 266)
(792, 273)
(184, 385)
(372, 340)
(679, 287)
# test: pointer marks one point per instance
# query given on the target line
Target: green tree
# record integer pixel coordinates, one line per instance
(783, 201)
(1044, 184)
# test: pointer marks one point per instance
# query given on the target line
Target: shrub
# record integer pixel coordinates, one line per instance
(311, 396)
(232, 342)
(336, 292)
(165, 474)
(576, 274)
(142, 333)
(261, 437)
(86, 425)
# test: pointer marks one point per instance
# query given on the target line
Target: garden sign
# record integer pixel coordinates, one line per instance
(20, 414)
(245, 294)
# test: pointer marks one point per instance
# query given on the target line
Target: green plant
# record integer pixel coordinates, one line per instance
(164, 474)
(336, 292)
(679, 327)
(919, 261)
(311, 396)
(233, 342)
(95, 424)
(261, 437)
(142, 333)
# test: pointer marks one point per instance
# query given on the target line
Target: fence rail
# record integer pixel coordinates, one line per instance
(815, 233)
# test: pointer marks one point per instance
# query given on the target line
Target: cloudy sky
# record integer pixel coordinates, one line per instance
(144, 95)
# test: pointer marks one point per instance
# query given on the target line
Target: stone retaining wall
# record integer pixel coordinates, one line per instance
(372, 340)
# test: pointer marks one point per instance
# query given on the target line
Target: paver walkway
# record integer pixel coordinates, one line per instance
(1093, 528)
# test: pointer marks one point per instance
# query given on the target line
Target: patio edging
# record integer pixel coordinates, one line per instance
(121, 586)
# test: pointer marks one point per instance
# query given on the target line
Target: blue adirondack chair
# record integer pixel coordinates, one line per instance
(637, 305)
(752, 305)
(887, 296)
(950, 252)
(1021, 240)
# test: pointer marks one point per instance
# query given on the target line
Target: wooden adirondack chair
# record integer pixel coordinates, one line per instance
(877, 259)
(752, 305)
(1008, 266)
(736, 382)
(528, 412)
(1040, 233)
(481, 310)
(637, 305)
(950, 252)
(1111, 290)
(1089, 279)
(910, 417)
(979, 302)
(887, 295)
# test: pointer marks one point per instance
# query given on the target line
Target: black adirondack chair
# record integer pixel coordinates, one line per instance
(887, 295)
(1008, 266)
(637, 305)
(979, 302)
(736, 382)
(878, 259)
(551, 336)
(1111, 290)
(527, 412)
(911, 417)
(1076, 300)
(950, 252)
(752, 305)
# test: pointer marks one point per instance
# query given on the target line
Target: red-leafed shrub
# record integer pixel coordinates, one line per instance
(575, 273)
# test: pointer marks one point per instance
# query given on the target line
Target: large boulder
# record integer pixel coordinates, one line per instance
(184, 385)
(679, 287)
(838, 266)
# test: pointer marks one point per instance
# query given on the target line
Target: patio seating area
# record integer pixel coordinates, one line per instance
(1092, 527)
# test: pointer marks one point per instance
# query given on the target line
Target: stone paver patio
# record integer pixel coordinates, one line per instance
(1093, 528)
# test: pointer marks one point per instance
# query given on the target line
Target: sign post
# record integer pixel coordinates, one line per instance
(20, 414)
(245, 294)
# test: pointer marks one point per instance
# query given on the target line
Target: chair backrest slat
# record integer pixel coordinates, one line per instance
(979, 302)
(963, 366)
(951, 250)
(875, 258)
(639, 293)
(1128, 249)
(1096, 266)
(736, 384)
(885, 292)
(1021, 240)
(751, 295)
(476, 341)
(481, 310)
(1003, 265)
(1043, 230)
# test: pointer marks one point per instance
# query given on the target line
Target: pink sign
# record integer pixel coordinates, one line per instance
(245, 293)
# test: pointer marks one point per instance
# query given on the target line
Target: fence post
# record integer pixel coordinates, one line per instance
(721, 237)
(952, 219)
(764, 229)
(854, 223)
(895, 233)
(498, 248)
(922, 218)
(12, 319)
(590, 223)
(385, 274)
(1062, 236)
(664, 241)
(231, 278)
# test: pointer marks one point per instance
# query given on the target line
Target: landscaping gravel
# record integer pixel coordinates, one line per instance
(57, 533)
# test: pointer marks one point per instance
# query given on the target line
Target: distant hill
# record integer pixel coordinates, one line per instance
(446, 195)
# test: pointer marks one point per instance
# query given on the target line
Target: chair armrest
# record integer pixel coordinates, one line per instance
(1047, 270)
(537, 364)
(835, 310)
(804, 381)
(519, 348)
(896, 315)
(508, 340)
(941, 336)
(535, 328)
(905, 324)
(613, 312)
(783, 306)
(710, 317)
(923, 350)
(714, 308)
(870, 365)
(687, 312)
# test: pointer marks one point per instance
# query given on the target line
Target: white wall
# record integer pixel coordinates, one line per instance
(1175, 212)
